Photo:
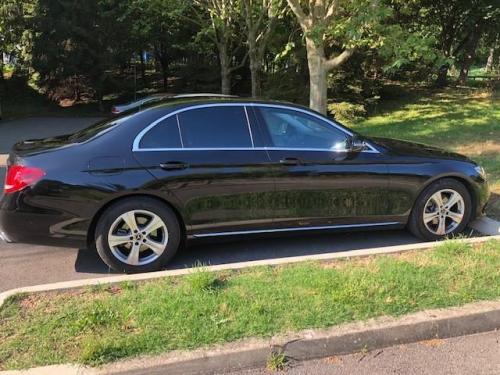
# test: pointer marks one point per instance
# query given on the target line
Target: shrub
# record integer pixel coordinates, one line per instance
(347, 112)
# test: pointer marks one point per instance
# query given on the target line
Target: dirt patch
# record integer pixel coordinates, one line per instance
(480, 148)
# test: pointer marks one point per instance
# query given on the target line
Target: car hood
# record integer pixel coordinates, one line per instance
(400, 147)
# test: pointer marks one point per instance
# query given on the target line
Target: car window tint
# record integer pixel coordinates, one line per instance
(293, 129)
(164, 135)
(215, 127)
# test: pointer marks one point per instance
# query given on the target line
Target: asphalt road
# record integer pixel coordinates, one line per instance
(39, 127)
(476, 354)
(26, 265)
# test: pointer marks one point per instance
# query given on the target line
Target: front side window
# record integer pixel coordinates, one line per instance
(163, 135)
(292, 129)
(215, 127)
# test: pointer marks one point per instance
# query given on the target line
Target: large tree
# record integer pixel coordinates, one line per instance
(78, 41)
(260, 21)
(333, 29)
(459, 26)
(221, 22)
(160, 26)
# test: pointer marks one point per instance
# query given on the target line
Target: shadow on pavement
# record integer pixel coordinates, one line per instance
(218, 251)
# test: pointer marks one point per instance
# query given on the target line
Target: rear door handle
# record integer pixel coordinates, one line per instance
(174, 165)
(290, 161)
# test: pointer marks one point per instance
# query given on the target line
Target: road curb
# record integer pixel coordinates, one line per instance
(305, 345)
(73, 284)
(486, 226)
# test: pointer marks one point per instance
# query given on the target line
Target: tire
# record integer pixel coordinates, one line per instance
(132, 251)
(427, 202)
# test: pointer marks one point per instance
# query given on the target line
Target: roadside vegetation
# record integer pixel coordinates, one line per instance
(101, 324)
(461, 120)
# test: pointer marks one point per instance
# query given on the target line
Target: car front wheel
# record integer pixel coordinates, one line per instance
(137, 235)
(442, 210)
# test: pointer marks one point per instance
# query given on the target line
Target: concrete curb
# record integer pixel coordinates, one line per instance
(73, 284)
(487, 226)
(309, 344)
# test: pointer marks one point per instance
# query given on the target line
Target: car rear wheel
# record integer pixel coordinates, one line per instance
(442, 210)
(137, 235)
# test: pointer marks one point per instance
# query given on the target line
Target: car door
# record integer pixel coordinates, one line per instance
(205, 156)
(318, 181)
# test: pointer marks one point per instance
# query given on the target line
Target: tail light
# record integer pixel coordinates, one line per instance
(20, 176)
(114, 110)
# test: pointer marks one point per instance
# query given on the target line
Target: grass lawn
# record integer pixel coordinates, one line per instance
(98, 325)
(465, 121)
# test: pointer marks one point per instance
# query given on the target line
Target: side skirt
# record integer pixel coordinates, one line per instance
(297, 229)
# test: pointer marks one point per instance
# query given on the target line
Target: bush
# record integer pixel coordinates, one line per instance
(347, 112)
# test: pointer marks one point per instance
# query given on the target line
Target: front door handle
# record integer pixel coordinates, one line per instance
(174, 165)
(290, 161)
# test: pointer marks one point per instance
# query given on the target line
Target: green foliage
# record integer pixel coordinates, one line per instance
(97, 315)
(276, 361)
(347, 112)
(163, 315)
(202, 280)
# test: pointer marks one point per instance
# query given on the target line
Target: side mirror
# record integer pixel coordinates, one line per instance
(355, 144)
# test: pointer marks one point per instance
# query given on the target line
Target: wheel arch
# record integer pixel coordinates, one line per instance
(103, 208)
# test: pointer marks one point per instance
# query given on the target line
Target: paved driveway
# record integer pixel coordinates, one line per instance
(25, 265)
(39, 127)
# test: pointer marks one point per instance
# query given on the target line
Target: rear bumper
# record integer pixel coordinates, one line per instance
(21, 223)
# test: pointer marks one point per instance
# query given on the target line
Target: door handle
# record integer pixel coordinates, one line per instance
(173, 165)
(290, 161)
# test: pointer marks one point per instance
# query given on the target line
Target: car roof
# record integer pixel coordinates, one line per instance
(180, 102)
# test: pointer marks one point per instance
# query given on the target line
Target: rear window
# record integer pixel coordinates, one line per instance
(164, 135)
(215, 127)
(98, 128)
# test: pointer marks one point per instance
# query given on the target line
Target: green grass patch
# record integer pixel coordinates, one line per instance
(461, 120)
(98, 325)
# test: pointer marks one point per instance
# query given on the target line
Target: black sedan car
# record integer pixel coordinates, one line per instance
(139, 184)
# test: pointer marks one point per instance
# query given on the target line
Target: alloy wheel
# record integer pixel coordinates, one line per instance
(138, 237)
(443, 212)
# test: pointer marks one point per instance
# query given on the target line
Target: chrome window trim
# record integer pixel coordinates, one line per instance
(293, 229)
(249, 127)
(138, 138)
(247, 149)
(179, 129)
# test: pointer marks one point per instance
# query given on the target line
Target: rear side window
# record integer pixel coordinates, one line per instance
(215, 127)
(164, 135)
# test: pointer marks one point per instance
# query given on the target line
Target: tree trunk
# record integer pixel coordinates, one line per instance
(469, 54)
(442, 78)
(225, 70)
(255, 69)
(143, 68)
(161, 57)
(317, 77)
(255, 77)
(164, 72)
(489, 63)
(255, 61)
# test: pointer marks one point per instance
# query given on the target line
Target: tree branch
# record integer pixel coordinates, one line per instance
(303, 19)
(335, 62)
